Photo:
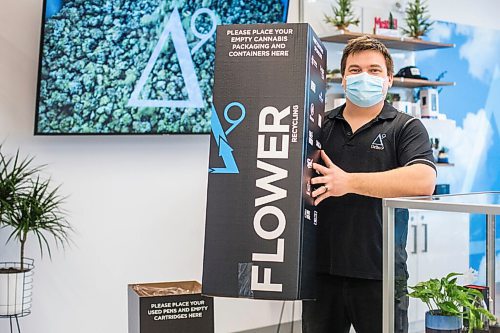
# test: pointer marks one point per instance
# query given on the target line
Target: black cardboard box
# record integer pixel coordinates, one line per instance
(269, 94)
(169, 307)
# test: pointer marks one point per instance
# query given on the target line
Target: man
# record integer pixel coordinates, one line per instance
(371, 151)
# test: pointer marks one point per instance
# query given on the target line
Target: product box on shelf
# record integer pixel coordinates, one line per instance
(169, 307)
(429, 101)
(403, 106)
(269, 99)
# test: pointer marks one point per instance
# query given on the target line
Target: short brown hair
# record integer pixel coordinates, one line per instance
(366, 43)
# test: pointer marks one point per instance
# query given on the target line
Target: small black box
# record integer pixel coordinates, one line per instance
(440, 189)
(169, 307)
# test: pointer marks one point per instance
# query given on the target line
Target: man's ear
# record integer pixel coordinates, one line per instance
(390, 80)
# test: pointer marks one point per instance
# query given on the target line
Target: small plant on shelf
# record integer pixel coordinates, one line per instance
(333, 74)
(343, 15)
(392, 22)
(417, 19)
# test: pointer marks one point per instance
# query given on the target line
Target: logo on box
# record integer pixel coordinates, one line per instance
(307, 214)
(311, 112)
(225, 150)
(314, 62)
(309, 163)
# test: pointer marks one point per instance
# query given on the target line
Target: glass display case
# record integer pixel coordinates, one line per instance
(434, 221)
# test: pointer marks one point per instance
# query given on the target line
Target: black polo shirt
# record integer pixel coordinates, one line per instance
(350, 227)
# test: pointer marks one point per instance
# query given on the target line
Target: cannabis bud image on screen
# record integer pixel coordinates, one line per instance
(134, 66)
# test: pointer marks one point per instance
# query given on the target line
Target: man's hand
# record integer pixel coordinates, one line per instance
(412, 180)
(334, 181)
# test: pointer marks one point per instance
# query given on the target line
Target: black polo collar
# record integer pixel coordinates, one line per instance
(388, 112)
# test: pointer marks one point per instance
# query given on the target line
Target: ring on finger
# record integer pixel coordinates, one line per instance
(326, 188)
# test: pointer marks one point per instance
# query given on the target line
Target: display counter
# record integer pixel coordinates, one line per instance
(485, 203)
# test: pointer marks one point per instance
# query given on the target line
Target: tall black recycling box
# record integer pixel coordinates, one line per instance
(267, 113)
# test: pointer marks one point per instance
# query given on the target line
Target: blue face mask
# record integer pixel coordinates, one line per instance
(364, 90)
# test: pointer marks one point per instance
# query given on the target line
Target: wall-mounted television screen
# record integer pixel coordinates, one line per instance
(134, 66)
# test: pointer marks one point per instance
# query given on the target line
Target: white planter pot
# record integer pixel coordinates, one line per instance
(15, 290)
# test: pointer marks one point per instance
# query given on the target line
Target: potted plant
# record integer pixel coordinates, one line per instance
(417, 20)
(333, 74)
(343, 15)
(29, 206)
(449, 304)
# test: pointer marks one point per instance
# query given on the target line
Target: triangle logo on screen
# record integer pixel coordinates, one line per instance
(195, 99)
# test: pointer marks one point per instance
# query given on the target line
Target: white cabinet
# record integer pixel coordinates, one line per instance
(438, 244)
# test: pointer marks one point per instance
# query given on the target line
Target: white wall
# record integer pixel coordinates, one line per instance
(137, 203)
(479, 13)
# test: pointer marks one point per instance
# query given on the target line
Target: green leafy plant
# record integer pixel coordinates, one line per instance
(343, 15)
(333, 73)
(445, 297)
(14, 173)
(391, 21)
(29, 204)
(417, 19)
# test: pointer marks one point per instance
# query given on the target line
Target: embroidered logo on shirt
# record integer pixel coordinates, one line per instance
(377, 143)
